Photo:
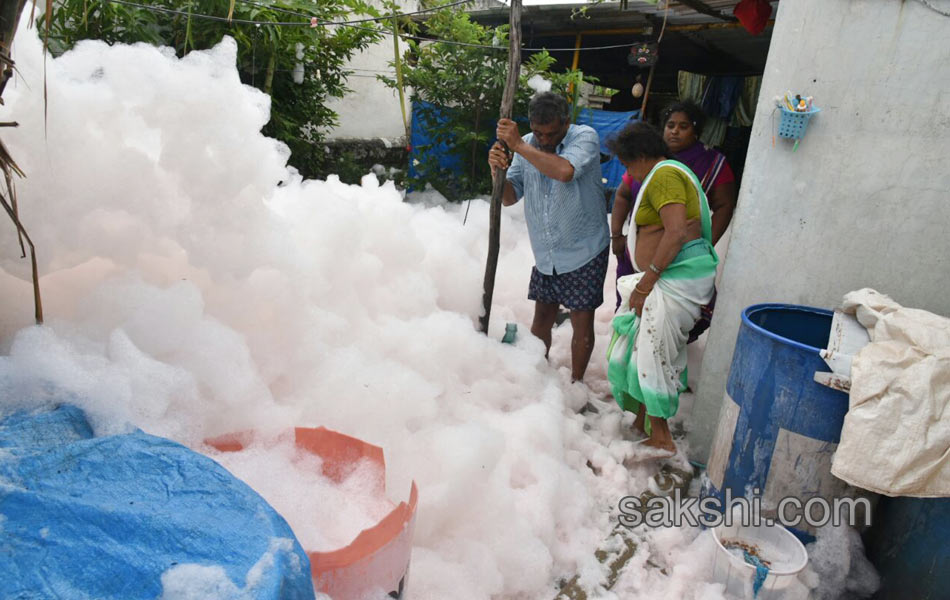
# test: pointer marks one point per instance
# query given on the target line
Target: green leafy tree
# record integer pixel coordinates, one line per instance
(464, 84)
(268, 52)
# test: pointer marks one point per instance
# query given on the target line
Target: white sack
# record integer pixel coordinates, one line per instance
(896, 435)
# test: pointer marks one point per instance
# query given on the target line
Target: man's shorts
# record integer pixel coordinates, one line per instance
(581, 289)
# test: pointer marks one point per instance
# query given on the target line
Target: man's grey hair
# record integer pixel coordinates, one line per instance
(548, 107)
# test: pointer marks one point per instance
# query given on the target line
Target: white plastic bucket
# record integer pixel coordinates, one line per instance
(776, 544)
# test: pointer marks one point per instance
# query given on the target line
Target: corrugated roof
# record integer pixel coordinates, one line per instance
(680, 11)
(693, 41)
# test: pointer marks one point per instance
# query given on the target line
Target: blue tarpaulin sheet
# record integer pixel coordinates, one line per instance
(424, 116)
(604, 122)
(607, 123)
(107, 517)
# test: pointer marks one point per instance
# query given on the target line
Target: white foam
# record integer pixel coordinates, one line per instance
(323, 514)
(194, 286)
(839, 566)
(190, 295)
(539, 84)
(191, 581)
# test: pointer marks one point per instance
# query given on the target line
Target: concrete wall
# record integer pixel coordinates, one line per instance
(865, 201)
(371, 110)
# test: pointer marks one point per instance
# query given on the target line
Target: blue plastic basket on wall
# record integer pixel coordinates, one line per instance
(793, 123)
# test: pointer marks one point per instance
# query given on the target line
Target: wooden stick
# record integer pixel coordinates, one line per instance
(646, 94)
(16, 211)
(10, 11)
(498, 186)
(37, 302)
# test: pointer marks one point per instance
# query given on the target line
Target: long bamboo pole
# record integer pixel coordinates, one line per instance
(494, 213)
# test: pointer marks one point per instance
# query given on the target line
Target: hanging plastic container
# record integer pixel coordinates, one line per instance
(793, 124)
(757, 563)
(378, 559)
(778, 429)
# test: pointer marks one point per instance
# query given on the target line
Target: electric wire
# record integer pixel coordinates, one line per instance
(352, 24)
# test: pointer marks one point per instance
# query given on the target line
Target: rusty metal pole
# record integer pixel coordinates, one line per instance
(498, 186)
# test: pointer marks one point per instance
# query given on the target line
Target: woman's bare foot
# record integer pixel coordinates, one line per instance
(638, 435)
(668, 446)
(639, 424)
(660, 436)
(644, 450)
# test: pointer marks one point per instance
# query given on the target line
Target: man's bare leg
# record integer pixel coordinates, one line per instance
(544, 315)
(582, 342)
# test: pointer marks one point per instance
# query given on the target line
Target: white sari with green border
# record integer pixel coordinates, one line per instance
(646, 359)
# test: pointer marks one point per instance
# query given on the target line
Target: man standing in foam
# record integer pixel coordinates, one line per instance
(556, 168)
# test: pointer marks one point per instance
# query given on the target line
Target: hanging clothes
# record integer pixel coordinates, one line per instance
(733, 106)
(721, 96)
(714, 132)
(690, 86)
(745, 108)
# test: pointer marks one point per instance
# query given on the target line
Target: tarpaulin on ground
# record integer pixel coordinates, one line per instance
(130, 517)
(425, 115)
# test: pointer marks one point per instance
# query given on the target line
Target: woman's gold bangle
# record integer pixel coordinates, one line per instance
(636, 288)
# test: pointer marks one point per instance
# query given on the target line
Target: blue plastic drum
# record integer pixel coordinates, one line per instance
(908, 545)
(778, 429)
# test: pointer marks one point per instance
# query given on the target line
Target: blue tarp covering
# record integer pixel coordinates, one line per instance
(424, 115)
(607, 123)
(603, 121)
(105, 518)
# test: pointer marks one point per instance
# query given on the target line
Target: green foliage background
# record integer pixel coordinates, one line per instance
(466, 84)
(267, 53)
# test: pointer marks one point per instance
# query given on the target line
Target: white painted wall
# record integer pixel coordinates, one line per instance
(865, 201)
(371, 110)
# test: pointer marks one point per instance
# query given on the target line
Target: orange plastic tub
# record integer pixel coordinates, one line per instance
(379, 556)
